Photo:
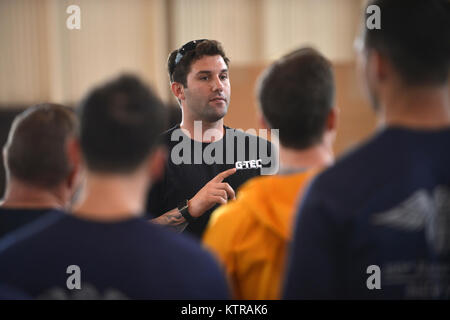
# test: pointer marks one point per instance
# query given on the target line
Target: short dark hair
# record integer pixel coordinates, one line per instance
(119, 125)
(36, 146)
(415, 36)
(296, 94)
(178, 71)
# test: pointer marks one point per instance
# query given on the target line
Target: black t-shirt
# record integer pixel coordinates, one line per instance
(127, 259)
(183, 180)
(12, 219)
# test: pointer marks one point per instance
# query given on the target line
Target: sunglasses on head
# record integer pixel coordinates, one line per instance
(191, 45)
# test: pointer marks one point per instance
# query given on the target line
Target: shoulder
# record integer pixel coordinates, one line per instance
(183, 246)
(345, 186)
(228, 217)
(165, 137)
(355, 165)
(195, 261)
(239, 133)
(25, 235)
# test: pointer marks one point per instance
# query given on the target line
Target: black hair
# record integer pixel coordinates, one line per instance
(178, 71)
(119, 125)
(415, 36)
(296, 94)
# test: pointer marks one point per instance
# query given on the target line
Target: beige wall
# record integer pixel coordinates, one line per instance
(235, 23)
(41, 60)
(24, 62)
(329, 25)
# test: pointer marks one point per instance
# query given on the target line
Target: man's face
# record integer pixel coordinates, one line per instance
(207, 94)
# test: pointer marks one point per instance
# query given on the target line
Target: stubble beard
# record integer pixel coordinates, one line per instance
(211, 114)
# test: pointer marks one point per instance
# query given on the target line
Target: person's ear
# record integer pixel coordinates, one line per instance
(262, 123)
(332, 119)
(5, 156)
(157, 163)
(74, 158)
(379, 67)
(178, 90)
(331, 127)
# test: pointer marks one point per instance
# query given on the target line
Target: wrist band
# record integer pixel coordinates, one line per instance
(183, 208)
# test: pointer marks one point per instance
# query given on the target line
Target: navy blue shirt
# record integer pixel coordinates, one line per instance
(385, 205)
(129, 259)
(12, 219)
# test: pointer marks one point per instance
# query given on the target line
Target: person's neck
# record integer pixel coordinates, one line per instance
(112, 197)
(22, 195)
(197, 132)
(417, 108)
(317, 156)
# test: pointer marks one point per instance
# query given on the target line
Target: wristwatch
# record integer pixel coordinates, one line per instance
(183, 208)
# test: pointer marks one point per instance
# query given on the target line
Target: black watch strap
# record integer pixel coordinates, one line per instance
(183, 208)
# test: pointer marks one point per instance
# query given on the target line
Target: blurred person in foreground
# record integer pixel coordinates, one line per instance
(105, 249)
(40, 176)
(376, 225)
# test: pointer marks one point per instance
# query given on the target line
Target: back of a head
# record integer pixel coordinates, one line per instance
(120, 123)
(296, 94)
(415, 36)
(36, 146)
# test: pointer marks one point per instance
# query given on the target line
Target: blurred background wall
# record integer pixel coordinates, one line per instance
(42, 60)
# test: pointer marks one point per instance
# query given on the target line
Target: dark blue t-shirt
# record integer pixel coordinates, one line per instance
(12, 219)
(379, 218)
(130, 259)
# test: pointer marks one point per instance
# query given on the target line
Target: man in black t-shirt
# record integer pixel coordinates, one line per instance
(207, 161)
(40, 176)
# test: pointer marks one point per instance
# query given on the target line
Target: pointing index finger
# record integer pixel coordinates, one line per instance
(224, 174)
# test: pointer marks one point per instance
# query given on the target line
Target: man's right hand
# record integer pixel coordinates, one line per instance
(215, 191)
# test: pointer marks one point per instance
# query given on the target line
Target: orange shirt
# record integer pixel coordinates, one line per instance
(250, 235)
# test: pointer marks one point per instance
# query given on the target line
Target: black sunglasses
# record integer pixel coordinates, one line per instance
(191, 45)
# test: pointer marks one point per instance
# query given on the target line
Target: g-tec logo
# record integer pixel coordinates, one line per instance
(250, 164)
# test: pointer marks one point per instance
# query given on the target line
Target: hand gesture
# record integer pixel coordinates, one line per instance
(215, 191)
